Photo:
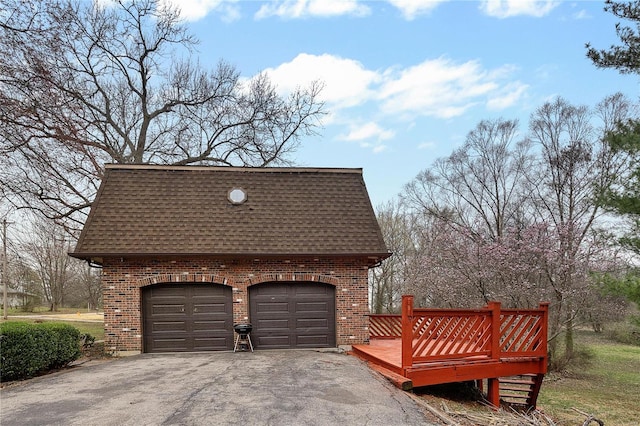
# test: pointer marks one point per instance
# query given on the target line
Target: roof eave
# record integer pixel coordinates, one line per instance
(99, 257)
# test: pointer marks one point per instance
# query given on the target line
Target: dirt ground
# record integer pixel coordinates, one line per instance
(78, 316)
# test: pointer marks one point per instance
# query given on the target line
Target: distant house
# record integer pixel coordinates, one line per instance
(17, 298)
(186, 252)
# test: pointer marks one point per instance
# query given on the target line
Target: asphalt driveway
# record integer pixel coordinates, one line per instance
(218, 388)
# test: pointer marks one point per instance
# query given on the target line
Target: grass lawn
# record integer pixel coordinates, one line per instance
(607, 387)
(44, 310)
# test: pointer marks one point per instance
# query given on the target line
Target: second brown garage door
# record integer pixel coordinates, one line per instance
(187, 318)
(293, 315)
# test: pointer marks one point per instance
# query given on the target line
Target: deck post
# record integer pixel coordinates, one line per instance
(493, 383)
(493, 391)
(407, 331)
(495, 329)
(545, 332)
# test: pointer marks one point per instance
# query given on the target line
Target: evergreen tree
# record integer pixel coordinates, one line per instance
(626, 57)
(624, 198)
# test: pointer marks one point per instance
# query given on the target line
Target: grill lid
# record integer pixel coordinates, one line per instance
(243, 328)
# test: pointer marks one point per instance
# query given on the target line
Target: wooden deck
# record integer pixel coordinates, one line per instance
(434, 346)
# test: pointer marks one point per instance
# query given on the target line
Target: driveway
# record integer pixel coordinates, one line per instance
(217, 388)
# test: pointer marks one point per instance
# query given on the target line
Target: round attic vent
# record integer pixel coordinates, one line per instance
(237, 196)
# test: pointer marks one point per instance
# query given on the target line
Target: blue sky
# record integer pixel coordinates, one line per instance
(406, 80)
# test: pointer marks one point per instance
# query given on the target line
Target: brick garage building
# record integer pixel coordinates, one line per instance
(186, 252)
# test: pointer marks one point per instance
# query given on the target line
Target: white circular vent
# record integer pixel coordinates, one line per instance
(237, 196)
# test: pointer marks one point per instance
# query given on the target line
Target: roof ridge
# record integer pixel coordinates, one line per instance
(235, 169)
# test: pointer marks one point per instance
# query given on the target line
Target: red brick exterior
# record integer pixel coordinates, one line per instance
(122, 280)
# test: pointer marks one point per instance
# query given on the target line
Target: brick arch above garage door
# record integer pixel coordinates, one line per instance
(223, 279)
(185, 278)
(293, 314)
(294, 277)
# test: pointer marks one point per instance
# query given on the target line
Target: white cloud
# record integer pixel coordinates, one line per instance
(292, 9)
(582, 14)
(427, 145)
(366, 131)
(436, 87)
(412, 8)
(508, 96)
(441, 88)
(376, 148)
(192, 10)
(346, 81)
(509, 8)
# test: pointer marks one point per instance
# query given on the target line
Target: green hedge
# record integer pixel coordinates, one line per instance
(28, 349)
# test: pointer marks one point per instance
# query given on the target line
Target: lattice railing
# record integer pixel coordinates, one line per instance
(447, 334)
(451, 334)
(385, 326)
(522, 333)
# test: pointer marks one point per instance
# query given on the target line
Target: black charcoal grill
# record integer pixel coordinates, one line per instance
(243, 337)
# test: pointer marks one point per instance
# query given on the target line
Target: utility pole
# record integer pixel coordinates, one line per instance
(5, 275)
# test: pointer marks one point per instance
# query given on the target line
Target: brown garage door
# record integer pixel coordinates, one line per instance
(293, 315)
(187, 317)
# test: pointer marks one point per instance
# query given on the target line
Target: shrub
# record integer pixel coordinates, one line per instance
(627, 333)
(580, 358)
(67, 344)
(28, 349)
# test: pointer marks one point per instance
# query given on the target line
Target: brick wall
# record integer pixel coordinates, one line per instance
(123, 278)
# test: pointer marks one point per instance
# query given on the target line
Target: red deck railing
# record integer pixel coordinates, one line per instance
(448, 334)
(385, 326)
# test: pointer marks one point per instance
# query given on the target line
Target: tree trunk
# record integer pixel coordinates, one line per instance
(568, 337)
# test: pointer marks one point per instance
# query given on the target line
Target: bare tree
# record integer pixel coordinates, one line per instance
(83, 289)
(45, 250)
(575, 168)
(519, 219)
(401, 231)
(479, 186)
(475, 195)
(119, 82)
(447, 267)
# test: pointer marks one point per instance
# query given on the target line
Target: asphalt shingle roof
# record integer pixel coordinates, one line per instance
(165, 210)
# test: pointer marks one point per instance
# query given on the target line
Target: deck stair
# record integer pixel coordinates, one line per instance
(521, 390)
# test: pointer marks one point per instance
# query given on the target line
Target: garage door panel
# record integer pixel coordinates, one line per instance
(273, 342)
(173, 291)
(168, 326)
(310, 323)
(208, 344)
(210, 308)
(164, 309)
(312, 290)
(171, 345)
(207, 291)
(270, 291)
(275, 307)
(187, 317)
(272, 324)
(305, 308)
(213, 326)
(304, 318)
(313, 341)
